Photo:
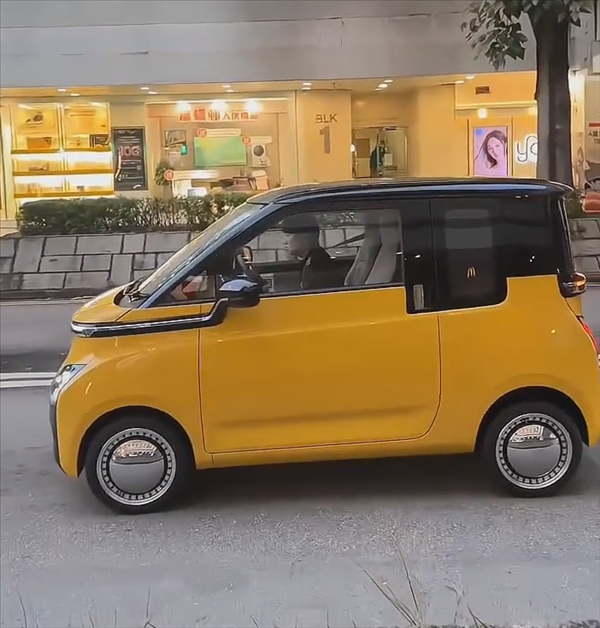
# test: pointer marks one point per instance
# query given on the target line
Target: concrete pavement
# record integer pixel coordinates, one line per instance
(290, 546)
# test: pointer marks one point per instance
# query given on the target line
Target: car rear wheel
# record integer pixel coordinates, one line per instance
(138, 464)
(532, 449)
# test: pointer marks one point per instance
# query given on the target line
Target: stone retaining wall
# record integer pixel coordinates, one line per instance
(89, 264)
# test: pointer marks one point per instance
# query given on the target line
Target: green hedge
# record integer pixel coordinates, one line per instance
(122, 214)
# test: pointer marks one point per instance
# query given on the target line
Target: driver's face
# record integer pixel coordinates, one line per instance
(297, 244)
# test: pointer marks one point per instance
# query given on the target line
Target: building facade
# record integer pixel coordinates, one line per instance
(101, 97)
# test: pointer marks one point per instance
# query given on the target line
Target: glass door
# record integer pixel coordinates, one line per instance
(379, 152)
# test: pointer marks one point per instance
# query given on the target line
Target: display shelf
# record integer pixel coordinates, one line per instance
(37, 151)
(58, 173)
(99, 193)
(77, 160)
(93, 149)
(50, 151)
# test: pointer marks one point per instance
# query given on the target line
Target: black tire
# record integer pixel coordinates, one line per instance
(171, 461)
(509, 420)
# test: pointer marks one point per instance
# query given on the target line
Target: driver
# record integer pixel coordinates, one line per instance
(319, 271)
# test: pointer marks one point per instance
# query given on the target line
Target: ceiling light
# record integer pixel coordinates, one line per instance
(307, 84)
(219, 105)
(378, 89)
(252, 106)
(183, 107)
(75, 95)
(153, 93)
(459, 82)
(388, 81)
(230, 91)
(62, 89)
(470, 77)
(382, 85)
(144, 89)
(482, 113)
(306, 89)
(226, 86)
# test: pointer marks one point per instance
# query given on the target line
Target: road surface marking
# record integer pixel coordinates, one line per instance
(25, 380)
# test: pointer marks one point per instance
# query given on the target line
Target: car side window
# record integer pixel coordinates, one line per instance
(466, 237)
(328, 250)
(314, 249)
(529, 245)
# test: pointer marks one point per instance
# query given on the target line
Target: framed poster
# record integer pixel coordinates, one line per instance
(129, 153)
(490, 151)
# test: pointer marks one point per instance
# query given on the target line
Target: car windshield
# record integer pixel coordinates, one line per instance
(219, 230)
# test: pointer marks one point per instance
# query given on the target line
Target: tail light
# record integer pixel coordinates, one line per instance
(573, 284)
(590, 333)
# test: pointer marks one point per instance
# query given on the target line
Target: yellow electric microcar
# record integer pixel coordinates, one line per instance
(338, 321)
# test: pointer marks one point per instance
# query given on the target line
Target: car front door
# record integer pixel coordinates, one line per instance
(343, 365)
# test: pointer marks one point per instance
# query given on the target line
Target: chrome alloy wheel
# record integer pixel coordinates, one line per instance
(534, 451)
(136, 467)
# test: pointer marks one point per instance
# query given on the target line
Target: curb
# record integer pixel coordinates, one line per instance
(36, 295)
(593, 278)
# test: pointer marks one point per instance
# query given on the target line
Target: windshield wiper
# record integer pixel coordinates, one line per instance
(132, 292)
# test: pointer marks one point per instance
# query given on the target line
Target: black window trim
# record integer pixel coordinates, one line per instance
(557, 219)
(427, 193)
(283, 211)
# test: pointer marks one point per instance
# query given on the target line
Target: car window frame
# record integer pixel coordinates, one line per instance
(278, 212)
(438, 239)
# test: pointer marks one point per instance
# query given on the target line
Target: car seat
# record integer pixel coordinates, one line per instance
(377, 258)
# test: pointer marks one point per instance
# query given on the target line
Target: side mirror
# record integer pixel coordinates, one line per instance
(240, 293)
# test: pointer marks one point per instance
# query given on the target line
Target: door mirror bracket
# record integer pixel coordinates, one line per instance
(240, 293)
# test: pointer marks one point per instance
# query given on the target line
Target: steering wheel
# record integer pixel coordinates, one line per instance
(243, 261)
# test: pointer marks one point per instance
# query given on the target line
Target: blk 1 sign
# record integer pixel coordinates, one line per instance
(526, 150)
(326, 119)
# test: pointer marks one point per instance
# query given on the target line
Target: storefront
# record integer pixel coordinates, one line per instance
(241, 143)
(226, 138)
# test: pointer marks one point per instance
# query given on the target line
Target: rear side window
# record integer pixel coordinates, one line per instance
(481, 242)
(468, 266)
(528, 243)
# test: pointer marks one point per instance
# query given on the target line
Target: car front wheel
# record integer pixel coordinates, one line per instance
(532, 449)
(138, 464)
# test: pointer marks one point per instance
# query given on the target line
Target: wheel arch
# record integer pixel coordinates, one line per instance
(118, 413)
(533, 393)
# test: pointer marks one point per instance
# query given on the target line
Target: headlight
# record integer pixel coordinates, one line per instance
(62, 379)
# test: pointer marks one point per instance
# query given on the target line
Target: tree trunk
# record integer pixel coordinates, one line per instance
(553, 99)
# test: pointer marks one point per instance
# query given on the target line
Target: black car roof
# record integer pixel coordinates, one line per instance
(391, 186)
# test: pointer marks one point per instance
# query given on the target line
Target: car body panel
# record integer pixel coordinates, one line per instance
(343, 367)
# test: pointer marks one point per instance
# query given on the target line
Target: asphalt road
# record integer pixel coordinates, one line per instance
(281, 546)
(290, 546)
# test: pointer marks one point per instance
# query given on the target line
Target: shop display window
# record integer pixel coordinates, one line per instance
(61, 151)
(85, 126)
(223, 144)
(36, 128)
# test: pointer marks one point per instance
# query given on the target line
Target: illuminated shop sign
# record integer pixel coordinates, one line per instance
(526, 150)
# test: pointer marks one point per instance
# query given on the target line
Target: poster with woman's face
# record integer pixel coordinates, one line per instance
(490, 150)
